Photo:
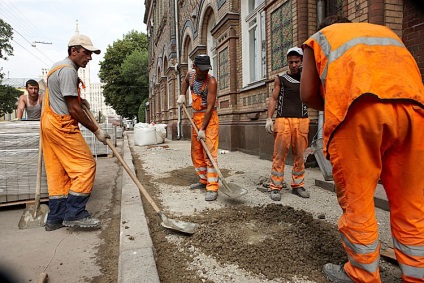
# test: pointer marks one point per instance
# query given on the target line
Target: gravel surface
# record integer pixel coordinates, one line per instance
(249, 239)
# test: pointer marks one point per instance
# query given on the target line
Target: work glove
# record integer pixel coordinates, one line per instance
(102, 135)
(201, 135)
(84, 103)
(269, 126)
(181, 99)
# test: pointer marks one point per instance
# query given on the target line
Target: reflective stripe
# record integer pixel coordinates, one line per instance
(370, 267)
(213, 180)
(298, 173)
(78, 194)
(360, 249)
(298, 181)
(277, 174)
(409, 250)
(58, 197)
(332, 56)
(412, 271)
(203, 169)
(276, 183)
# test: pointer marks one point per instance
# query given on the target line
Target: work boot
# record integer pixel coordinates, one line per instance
(336, 273)
(197, 185)
(275, 195)
(49, 226)
(211, 195)
(284, 185)
(87, 222)
(300, 191)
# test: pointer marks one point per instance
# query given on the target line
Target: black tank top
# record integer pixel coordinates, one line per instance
(289, 104)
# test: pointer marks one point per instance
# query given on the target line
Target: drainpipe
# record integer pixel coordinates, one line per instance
(177, 43)
(320, 17)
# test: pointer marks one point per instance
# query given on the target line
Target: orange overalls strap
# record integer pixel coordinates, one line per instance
(344, 49)
(197, 98)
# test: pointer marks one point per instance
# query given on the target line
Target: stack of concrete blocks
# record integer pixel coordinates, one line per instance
(18, 161)
(97, 148)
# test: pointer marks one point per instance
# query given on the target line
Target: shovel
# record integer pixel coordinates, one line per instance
(35, 215)
(181, 226)
(230, 189)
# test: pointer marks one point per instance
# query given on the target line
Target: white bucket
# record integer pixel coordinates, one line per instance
(144, 134)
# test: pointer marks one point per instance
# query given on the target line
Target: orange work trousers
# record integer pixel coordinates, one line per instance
(288, 131)
(203, 166)
(69, 163)
(380, 140)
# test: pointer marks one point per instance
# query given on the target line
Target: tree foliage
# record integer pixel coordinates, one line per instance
(8, 98)
(124, 72)
(6, 49)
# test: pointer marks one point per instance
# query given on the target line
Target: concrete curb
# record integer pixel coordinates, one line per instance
(136, 258)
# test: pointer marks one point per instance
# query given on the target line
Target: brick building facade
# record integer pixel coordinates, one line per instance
(247, 42)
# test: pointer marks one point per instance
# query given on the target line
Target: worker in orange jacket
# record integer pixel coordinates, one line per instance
(70, 166)
(371, 91)
(203, 93)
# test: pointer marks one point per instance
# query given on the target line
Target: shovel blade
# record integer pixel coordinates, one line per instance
(30, 219)
(232, 190)
(177, 225)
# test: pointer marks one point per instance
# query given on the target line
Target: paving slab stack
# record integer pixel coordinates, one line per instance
(19, 155)
(18, 161)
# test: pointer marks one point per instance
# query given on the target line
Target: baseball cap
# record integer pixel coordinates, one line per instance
(296, 50)
(203, 62)
(84, 41)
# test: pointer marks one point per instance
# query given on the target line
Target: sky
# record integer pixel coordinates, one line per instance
(42, 29)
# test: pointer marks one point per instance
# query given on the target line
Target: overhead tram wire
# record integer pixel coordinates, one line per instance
(30, 52)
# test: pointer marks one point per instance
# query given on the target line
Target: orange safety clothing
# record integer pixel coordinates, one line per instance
(69, 163)
(373, 119)
(380, 140)
(286, 131)
(201, 162)
(342, 54)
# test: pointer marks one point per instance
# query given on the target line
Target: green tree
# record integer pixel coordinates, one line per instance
(124, 72)
(8, 98)
(6, 49)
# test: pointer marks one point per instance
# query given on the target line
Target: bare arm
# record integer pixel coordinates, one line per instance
(274, 98)
(212, 87)
(78, 114)
(185, 84)
(21, 107)
(310, 82)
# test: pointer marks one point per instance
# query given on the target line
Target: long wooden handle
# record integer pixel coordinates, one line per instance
(204, 145)
(39, 172)
(124, 164)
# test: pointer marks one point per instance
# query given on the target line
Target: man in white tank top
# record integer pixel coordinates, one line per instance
(31, 102)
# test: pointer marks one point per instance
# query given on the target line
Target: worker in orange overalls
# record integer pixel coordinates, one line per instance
(69, 163)
(372, 94)
(203, 93)
(291, 127)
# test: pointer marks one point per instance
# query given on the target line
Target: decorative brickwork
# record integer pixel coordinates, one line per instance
(281, 34)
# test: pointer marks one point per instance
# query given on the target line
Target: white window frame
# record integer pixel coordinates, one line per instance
(253, 41)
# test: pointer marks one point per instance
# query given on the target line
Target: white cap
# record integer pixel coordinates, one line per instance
(84, 41)
(295, 50)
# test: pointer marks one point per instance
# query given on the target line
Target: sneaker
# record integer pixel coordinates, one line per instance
(336, 273)
(211, 195)
(87, 222)
(301, 192)
(197, 186)
(53, 226)
(275, 195)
